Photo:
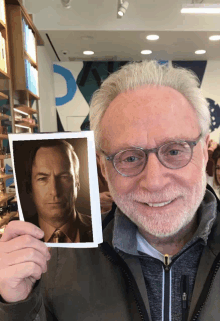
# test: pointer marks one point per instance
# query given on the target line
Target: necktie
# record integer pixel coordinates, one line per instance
(58, 237)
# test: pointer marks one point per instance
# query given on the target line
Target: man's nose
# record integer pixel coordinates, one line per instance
(155, 175)
(54, 186)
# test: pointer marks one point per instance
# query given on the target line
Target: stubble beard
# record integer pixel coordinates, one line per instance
(169, 223)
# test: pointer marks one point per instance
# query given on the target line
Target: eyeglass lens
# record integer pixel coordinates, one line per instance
(172, 155)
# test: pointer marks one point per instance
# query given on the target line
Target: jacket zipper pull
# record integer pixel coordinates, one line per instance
(167, 260)
(184, 287)
(184, 300)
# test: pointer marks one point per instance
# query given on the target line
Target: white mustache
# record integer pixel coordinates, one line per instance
(157, 197)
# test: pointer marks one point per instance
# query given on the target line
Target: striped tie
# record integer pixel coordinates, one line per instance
(58, 237)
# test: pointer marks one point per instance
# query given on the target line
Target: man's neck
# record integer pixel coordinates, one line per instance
(171, 245)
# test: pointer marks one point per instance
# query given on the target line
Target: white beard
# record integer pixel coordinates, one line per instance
(170, 222)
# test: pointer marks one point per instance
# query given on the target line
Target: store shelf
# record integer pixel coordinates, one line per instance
(28, 57)
(25, 109)
(40, 41)
(5, 156)
(4, 117)
(3, 96)
(3, 136)
(32, 96)
(2, 25)
(25, 124)
(6, 176)
(3, 75)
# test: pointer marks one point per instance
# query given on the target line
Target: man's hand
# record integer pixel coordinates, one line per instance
(105, 201)
(23, 258)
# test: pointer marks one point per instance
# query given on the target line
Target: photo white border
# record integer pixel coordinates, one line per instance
(93, 182)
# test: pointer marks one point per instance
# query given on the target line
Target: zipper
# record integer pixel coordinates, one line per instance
(167, 261)
(130, 283)
(207, 288)
(184, 286)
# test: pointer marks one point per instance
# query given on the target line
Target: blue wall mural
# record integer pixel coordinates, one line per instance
(92, 74)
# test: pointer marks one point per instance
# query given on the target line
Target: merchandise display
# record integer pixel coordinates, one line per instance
(19, 39)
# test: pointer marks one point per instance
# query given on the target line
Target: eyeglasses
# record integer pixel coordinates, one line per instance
(173, 155)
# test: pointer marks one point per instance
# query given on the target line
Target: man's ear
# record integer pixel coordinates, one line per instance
(78, 185)
(101, 164)
(205, 148)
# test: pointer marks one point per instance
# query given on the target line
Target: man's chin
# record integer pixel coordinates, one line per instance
(55, 215)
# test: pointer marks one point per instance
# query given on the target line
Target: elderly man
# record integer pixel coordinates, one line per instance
(159, 259)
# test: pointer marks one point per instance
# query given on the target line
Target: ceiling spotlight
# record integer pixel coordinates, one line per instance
(88, 52)
(146, 52)
(152, 37)
(200, 52)
(214, 38)
(122, 7)
(66, 3)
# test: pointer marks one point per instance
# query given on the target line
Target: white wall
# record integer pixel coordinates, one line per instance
(47, 106)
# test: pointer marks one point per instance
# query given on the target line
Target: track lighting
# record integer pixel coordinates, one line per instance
(122, 8)
(66, 3)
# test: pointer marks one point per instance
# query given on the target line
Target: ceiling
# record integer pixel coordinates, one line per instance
(93, 25)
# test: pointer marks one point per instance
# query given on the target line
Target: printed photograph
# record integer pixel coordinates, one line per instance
(53, 187)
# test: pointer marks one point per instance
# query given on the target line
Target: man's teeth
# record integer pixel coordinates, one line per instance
(158, 204)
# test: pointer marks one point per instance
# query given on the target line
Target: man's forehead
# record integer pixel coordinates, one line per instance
(148, 114)
(149, 93)
(51, 155)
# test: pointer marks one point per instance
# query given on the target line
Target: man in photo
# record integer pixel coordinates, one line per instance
(53, 183)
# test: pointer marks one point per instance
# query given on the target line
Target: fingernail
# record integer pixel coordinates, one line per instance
(40, 233)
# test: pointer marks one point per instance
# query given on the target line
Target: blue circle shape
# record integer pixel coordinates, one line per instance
(70, 83)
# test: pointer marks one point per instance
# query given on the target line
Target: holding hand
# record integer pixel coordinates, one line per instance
(23, 258)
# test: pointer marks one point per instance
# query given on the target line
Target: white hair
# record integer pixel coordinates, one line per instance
(137, 74)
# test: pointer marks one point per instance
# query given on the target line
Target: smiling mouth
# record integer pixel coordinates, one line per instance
(161, 204)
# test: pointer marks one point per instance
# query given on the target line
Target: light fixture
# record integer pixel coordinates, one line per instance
(122, 8)
(146, 52)
(88, 52)
(201, 8)
(214, 38)
(152, 37)
(200, 52)
(66, 3)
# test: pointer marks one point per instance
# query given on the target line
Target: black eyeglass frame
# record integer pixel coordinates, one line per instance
(192, 144)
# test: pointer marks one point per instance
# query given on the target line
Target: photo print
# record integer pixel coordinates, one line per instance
(57, 186)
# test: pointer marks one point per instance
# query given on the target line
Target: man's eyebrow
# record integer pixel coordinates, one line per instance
(45, 174)
(162, 141)
(41, 174)
(65, 172)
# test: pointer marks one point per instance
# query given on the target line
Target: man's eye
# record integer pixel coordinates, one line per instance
(42, 179)
(174, 152)
(65, 177)
(130, 159)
